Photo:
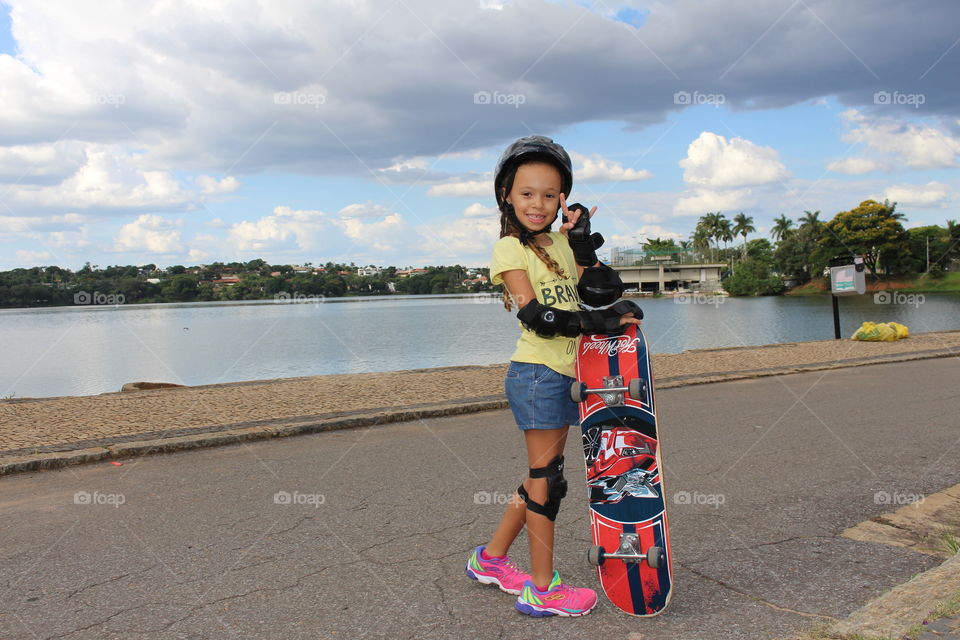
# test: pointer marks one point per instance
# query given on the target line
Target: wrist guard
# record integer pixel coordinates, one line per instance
(584, 243)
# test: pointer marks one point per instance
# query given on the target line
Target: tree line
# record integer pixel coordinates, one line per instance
(802, 250)
(130, 284)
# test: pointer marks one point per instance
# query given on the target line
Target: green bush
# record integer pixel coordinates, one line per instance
(753, 277)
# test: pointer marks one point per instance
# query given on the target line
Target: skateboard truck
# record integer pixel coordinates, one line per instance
(612, 390)
(629, 551)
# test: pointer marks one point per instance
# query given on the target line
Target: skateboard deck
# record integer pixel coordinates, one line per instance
(621, 448)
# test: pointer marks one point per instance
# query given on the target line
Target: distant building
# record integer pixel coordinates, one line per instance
(402, 273)
(369, 271)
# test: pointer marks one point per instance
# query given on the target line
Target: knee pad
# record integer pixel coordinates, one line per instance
(556, 489)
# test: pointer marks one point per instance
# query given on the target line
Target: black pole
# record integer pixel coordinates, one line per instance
(836, 318)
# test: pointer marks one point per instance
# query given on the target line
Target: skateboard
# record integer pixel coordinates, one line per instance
(628, 518)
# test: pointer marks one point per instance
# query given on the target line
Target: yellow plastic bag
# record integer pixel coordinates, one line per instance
(872, 332)
(902, 330)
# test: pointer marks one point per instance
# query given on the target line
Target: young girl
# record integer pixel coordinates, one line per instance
(540, 270)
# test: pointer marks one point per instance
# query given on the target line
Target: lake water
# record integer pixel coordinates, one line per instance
(84, 350)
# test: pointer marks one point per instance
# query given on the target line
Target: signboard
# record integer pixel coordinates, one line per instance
(848, 279)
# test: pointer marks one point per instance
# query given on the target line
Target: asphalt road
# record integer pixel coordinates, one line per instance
(371, 535)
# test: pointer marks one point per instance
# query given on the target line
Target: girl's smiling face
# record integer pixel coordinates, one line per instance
(535, 195)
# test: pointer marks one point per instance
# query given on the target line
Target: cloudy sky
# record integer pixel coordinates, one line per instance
(188, 131)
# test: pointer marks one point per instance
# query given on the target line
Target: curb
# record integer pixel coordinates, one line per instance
(905, 606)
(282, 427)
(59, 459)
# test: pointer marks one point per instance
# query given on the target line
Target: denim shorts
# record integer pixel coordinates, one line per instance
(540, 397)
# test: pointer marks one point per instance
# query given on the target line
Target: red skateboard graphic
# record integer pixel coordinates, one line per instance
(628, 516)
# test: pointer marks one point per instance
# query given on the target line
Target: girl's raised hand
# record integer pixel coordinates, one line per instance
(571, 216)
(629, 318)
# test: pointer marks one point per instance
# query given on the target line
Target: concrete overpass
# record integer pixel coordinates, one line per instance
(664, 277)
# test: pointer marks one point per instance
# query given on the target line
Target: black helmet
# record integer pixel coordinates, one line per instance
(541, 148)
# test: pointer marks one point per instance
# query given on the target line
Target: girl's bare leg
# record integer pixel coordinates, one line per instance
(542, 447)
(547, 445)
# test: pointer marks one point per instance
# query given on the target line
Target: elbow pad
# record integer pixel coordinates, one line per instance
(549, 321)
(600, 286)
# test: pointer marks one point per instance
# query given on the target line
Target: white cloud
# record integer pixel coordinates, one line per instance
(703, 200)
(365, 210)
(212, 186)
(283, 229)
(641, 235)
(385, 234)
(33, 258)
(596, 168)
(901, 143)
(150, 234)
(477, 210)
(42, 163)
(108, 179)
(854, 166)
(713, 162)
(932, 193)
(204, 247)
(469, 188)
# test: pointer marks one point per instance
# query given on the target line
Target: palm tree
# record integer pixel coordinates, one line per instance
(742, 225)
(726, 232)
(713, 223)
(700, 239)
(781, 227)
(811, 218)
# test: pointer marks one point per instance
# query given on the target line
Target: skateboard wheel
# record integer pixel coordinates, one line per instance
(577, 391)
(656, 557)
(637, 389)
(596, 555)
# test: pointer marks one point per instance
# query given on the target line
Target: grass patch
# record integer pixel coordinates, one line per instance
(949, 281)
(949, 541)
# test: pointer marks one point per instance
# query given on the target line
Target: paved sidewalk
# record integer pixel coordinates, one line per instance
(34, 432)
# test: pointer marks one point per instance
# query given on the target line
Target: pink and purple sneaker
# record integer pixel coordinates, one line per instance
(558, 600)
(501, 571)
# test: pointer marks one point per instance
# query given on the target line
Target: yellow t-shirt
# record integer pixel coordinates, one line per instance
(558, 353)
